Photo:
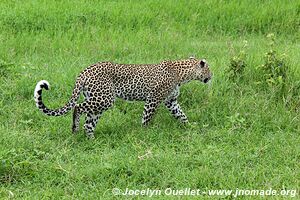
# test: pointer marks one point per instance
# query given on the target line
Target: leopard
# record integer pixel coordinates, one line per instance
(101, 83)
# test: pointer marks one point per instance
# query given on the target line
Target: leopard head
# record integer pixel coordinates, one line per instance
(202, 71)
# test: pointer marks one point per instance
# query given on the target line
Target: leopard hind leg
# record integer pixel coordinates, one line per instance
(93, 109)
(77, 114)
(96, 103)
(90, 124)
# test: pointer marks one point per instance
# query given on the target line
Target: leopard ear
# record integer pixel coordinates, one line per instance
(202, 63)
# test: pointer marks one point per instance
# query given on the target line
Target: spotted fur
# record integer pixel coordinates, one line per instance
(102, 82)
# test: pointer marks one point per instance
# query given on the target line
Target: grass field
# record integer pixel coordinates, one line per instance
(242, 134)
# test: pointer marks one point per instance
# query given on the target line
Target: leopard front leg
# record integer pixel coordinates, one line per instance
(173, 106)
(175, 109)
(149, 110)
(156, 96)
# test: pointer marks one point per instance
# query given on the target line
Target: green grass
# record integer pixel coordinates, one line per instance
(242, 135)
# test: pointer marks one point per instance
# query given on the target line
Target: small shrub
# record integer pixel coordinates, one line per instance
(275, 66)
(237, 63)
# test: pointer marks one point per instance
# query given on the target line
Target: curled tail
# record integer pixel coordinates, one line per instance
(60, 111)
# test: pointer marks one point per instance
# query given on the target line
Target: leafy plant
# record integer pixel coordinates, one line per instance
(237, 63)
(275, 66)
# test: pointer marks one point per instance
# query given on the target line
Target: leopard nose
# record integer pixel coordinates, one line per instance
(206, 80)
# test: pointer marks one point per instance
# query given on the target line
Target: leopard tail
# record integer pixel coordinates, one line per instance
(60, 111)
